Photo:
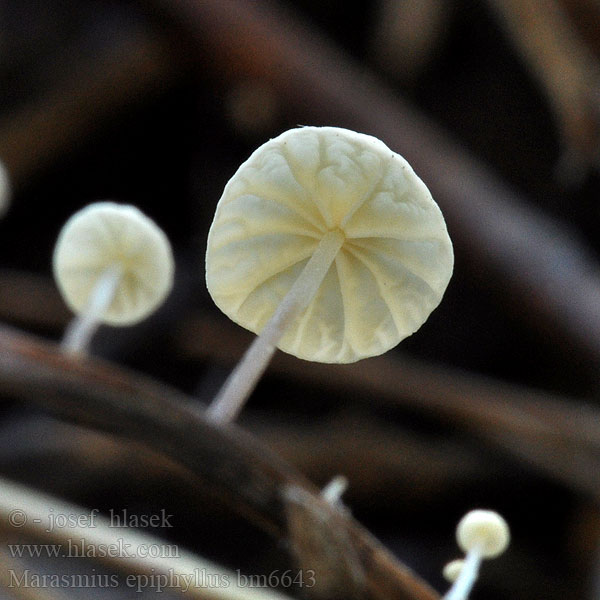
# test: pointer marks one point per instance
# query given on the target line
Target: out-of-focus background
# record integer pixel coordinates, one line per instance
(493, 403)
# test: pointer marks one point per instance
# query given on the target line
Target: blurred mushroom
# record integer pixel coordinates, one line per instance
(481, 534)
(113, 265)
(452, 569)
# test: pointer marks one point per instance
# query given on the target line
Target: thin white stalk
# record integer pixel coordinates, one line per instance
(243, 379)
(463, 585)
(81, 329)
(335, 489)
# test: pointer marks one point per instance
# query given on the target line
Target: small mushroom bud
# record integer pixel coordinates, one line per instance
(112, 265)
(335, 489)
(327, 244)
(452, 570)
(480, 534)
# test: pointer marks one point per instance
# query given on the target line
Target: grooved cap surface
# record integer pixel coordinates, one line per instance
(106, 234)
(390, 273)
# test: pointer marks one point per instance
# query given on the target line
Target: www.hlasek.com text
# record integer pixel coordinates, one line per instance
(81, 548)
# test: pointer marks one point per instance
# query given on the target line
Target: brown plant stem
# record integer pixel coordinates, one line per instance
(101, 395)
(566, 68)
(546, 430)
(174, 563)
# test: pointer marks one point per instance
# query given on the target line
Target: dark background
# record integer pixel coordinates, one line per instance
(143, 103)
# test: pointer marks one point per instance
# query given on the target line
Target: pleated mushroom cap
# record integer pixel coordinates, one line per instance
(391, 272)
(104, 235)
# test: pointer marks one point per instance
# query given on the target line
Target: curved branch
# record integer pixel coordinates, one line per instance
(100, 395)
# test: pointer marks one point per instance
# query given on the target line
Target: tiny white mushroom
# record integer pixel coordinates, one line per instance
(480, 534)
(5, 189)
(112, 265)
(452, 569)
(335, 489)
(327, 244)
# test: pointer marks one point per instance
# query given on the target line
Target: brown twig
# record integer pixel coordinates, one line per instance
(102, 396)
(548, 431)
(125, 551)
(566, 68)
(383, 463)
(559, 436)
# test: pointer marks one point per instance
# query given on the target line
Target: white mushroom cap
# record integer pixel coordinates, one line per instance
(5, 189)
(483, 528)
(390, 273)
(452, 569)
(106, 235)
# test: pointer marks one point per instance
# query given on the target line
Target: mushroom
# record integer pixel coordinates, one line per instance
(335, 489)
(112, 265)
(5, 189)
(327, 244)
(480, 534)
(452, 569)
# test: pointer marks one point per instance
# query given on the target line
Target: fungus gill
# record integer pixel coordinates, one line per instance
(328, 245)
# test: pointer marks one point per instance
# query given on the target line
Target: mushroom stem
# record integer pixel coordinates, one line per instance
(334, 490)
(243, 379)
(82, 328)
(463, 585)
